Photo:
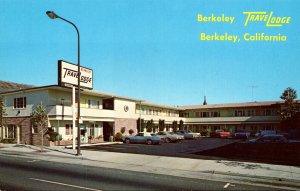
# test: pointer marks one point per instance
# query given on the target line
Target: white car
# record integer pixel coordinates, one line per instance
(168, 136)
(188, 134)
(142, 137)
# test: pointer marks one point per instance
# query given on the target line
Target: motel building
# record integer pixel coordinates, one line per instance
(103, 115)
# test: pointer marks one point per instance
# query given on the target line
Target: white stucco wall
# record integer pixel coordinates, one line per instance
(32, 99)
(120, 109)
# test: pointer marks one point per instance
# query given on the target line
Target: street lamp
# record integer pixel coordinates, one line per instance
(52, 15)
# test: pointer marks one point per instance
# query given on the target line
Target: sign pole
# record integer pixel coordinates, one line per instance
(73, 117)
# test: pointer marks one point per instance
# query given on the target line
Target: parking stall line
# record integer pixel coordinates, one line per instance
(63, 184)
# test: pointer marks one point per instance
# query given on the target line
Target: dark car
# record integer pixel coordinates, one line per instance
(242, 135)
(269, 139)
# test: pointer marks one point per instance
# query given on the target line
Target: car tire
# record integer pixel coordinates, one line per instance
(168, 140)
(149, 142)
(127, 141)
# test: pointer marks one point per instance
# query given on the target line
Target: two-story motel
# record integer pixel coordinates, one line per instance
(102, 114)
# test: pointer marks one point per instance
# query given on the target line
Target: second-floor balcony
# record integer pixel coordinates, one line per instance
(234, 120)
(66, 111)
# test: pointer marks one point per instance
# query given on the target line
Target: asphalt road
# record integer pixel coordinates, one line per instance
(185, 148)
(18, 173)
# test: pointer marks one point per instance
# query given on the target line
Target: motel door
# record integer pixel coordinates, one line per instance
(83, 133)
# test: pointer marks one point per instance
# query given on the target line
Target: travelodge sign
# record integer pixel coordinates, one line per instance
(68, 74)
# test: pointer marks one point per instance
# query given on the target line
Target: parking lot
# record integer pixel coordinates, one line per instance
(185, 148)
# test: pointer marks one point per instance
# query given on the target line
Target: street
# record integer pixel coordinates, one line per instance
(33, 174)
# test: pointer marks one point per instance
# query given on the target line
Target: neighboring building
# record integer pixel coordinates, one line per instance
(5, 87)
(104, 114)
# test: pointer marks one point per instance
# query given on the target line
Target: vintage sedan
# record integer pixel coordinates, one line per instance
(142, 137)
(269, 139)
(188, 134)
(168, 136)
(241, 135)
(220, 133)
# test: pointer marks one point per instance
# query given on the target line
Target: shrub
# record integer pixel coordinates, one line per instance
(131, 131)
(118, 136)
(7, 141)
(53, 136)
(123, 129)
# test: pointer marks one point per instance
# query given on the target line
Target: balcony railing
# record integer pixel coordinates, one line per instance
(248, 119)
(60, 110)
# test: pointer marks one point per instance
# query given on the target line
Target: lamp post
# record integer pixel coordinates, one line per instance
(52, 15)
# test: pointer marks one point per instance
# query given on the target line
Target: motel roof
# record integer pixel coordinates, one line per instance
(7, 88)
(233, 105)
(88, 92)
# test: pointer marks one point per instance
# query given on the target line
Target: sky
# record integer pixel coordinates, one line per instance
(151, 49)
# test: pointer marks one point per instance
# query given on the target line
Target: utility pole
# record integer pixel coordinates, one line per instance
(252, 90)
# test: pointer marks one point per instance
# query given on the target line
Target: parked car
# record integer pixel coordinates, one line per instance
(168, 136)
(265, 132)
(292, 134)
(271, 138)
(241, 135)
(188, 134)
(220, 133)
(142, 137)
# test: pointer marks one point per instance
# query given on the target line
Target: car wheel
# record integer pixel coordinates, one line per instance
(168, 140)
(127, 141)
(149, 142)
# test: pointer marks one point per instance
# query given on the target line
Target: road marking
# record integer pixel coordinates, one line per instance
(228, 184)
(70, 185)
(32, 160)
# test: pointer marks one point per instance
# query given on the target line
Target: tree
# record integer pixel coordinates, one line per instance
(140, 125)
(181, 125)
(289, 109)
(150, 125)
(2, 112)
(40, 119)
(289, 96)
(161, 124)
(174, 125)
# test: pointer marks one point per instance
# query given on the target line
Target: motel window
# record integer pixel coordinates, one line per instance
(204, 114)
(92, 131)
(269, 112)
(68, 129)
(34, 129)
(94, 104)
(215, 114)
(251, 113)
(20, 102)
(239, 113)
(10, 131)
(197, 114)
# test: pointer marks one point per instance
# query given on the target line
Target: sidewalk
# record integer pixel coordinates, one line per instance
(287, 177)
